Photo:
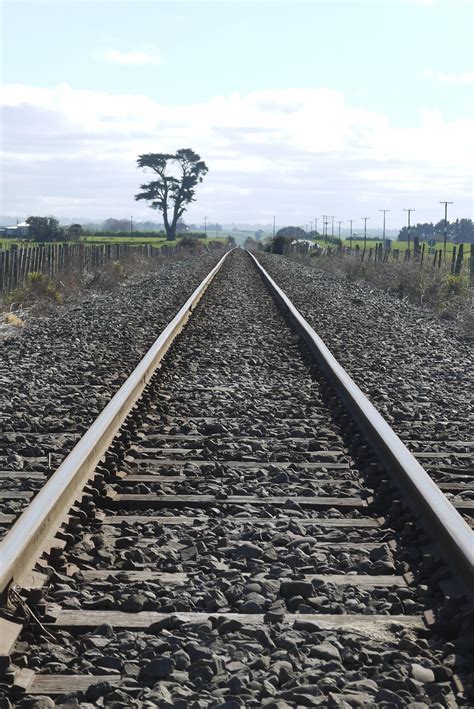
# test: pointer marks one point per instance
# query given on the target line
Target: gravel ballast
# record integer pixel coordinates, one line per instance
(238, 382)
(59, 372)
(414, 367)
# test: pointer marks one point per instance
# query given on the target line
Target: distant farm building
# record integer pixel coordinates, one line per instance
(18, 231)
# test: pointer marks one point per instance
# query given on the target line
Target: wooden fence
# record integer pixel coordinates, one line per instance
(54, 259)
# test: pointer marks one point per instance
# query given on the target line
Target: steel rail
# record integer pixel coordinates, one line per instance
(452, 534)
(38, 524)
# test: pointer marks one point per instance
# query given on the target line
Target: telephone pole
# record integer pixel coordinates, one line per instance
(205, 226)
(350, 233)
(445, 234)
(365, 231)
(339, 229)
(384, 213)
(316, 224)
(325, 227)
(332, 226)
(409, 232)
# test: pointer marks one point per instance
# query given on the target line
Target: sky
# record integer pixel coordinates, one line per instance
(299, 109)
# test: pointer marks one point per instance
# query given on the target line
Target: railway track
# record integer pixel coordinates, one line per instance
(240, 542)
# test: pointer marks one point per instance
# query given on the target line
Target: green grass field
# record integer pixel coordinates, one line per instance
(400, 245)
(157, 241)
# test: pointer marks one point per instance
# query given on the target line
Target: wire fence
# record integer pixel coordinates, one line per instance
(459, 260)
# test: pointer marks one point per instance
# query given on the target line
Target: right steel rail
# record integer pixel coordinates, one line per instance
(452, 534)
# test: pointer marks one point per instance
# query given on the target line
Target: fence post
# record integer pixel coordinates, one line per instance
(453, 260)
(2, 271)
(459, 260)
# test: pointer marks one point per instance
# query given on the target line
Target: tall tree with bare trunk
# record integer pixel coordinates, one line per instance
(175, 185)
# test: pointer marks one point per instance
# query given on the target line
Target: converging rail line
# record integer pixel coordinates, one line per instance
(239, 528)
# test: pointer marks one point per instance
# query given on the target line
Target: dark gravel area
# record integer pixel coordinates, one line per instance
(414, 367)
(238, 380)
(58, 373)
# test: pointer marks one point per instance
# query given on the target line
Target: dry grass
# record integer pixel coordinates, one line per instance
(41, 295)
(430, 287)
(13, 319)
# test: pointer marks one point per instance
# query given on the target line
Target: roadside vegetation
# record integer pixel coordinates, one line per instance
(41, 294)
(440, 284)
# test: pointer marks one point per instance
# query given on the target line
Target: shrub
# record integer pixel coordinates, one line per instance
(191, 242)
(37, 287)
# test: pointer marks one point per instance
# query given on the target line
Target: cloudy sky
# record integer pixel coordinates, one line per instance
(301, 108)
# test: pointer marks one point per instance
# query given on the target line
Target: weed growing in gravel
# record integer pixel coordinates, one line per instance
(37, 287)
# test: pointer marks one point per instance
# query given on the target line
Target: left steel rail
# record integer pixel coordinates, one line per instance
(37, 526)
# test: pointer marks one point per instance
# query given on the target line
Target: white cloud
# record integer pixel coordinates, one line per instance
(299, 149)
(133, 57)
(465, 78)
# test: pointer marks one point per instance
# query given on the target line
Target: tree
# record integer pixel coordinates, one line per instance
(44, 229)
(460, 231)
(116, 225)
(170, 193)
(294, 231)
(281, 243)
(75, 231)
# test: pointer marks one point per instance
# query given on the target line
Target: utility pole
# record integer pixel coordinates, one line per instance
(445, 234)
(273, 233)
(325, 227)
(384, 213)
(350, 233)
(205, 227)
(316, 224)
(409, 232)
(311, 226)
(365, 231)
(332, 226)
(339, 229)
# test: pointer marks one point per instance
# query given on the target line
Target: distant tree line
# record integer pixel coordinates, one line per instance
(460, 231)
(48, 229)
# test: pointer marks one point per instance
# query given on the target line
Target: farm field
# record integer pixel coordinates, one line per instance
(400, 245)
(158, 241)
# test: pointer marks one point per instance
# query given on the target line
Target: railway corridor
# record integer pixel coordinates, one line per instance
(241, 546)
